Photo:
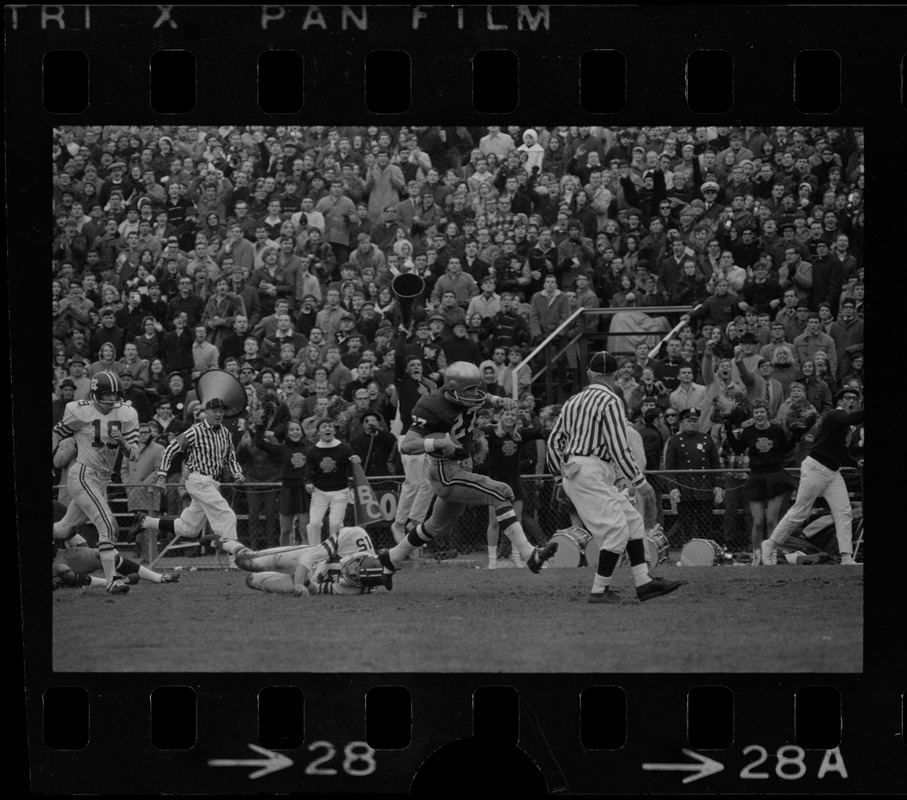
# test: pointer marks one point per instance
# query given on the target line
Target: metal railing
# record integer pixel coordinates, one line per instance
(544, 345)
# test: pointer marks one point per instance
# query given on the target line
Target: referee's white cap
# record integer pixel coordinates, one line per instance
(603, 363)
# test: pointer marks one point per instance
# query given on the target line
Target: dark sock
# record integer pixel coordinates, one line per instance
(607, 563)
(636, 552)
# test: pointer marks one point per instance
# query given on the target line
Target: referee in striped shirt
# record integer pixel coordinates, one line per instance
(208, 449)
(588, 447)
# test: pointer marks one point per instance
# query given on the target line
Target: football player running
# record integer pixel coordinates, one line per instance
(442, 427)
(344, 563)
(100, 426)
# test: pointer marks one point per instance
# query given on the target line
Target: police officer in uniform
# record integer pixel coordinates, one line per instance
(691, 449)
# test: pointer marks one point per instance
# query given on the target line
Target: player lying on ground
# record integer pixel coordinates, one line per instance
(74, 561)
(344, 563)
(442, 427)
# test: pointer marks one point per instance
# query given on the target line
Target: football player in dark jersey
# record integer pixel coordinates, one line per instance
(442, 427)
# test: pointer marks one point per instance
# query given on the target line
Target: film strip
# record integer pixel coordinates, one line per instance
(456, 681)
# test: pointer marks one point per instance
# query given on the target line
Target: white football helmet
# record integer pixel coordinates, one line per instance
(363, 570)
(462, 382)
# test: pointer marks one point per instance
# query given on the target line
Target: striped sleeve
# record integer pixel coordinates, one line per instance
(232, 463)
(616, 435)
(130, 427)
(170, 451)
(60, 432)
(331, 545)
(68, 425)
(554, 447)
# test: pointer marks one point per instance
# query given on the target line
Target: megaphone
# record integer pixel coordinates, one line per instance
(221, 384)
(366, 508)
(407, 287)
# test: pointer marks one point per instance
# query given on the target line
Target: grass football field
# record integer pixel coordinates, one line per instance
(455, 619)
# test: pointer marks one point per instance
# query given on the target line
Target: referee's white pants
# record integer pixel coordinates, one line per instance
(332, 503)
(607, 513)
(817, 480)
(207, 503)
(416, 492)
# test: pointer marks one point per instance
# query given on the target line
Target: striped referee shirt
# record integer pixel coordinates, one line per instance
(593, 423)
(209, 448)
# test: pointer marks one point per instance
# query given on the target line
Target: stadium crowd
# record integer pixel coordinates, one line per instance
(269, 252)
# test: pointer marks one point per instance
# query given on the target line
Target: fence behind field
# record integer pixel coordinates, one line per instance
(696, 515)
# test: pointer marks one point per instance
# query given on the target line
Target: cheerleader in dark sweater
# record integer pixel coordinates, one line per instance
(327, 473)
(505, 444)
(293, 500)
(768, 483)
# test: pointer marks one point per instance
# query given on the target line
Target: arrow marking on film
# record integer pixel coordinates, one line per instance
(703, 769)
(271, 763)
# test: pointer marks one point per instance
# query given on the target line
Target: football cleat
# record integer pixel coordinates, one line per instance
(118, 587)
(656, 588)
(170, 577)
(605, 597)
(540, 555)
(136, 526)
(388, 568)
(243, 559)
(769, 553)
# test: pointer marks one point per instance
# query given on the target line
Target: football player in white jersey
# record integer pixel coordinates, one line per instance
(344, 563)
(100, 426)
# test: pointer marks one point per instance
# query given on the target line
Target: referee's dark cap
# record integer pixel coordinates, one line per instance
(216, 402)
(603, 363)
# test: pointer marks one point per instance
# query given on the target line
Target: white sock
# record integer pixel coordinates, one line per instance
(600, 584)
(519, 541)
(641, 574)
(108, 559)
(400, 551)
(231, 546)
(97, 582)
(146, 574)
(492, 552)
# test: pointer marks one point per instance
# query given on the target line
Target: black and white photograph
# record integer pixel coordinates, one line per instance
(346, 318)
(358, 359)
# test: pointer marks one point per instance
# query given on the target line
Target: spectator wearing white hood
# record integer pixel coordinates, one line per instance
(533, 150)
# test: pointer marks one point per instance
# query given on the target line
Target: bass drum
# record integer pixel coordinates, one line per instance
(572, 548)
(700, 553)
